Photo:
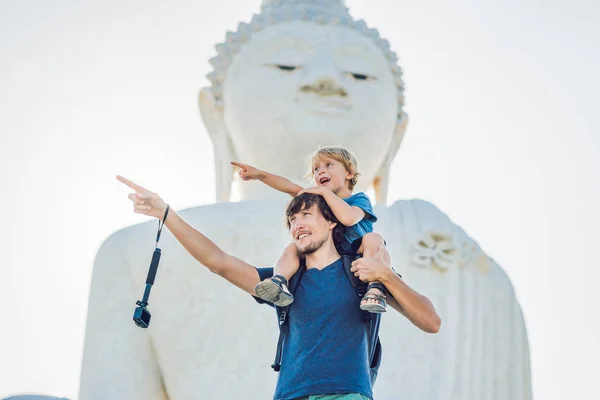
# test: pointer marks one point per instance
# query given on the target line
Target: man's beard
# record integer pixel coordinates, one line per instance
(311, 248)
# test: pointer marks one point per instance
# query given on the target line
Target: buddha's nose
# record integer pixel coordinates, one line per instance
(326, 86)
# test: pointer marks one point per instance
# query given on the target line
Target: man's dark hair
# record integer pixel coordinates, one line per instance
(307, 200)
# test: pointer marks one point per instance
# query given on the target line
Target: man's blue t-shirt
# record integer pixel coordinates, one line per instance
(364, 226)
(326, 351)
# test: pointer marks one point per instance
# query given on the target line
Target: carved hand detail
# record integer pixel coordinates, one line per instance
(442, 252)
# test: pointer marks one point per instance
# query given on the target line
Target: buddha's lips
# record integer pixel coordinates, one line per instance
(322, 104)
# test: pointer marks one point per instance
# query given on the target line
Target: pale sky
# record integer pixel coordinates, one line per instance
(501, 98)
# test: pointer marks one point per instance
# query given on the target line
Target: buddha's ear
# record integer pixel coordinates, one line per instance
(212, 116)
(381, 181)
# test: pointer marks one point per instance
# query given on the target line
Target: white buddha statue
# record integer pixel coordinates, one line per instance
(299, 75)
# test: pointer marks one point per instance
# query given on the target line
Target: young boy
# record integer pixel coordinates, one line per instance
(335, 173)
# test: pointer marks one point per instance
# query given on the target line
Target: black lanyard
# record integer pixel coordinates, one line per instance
(141, 315)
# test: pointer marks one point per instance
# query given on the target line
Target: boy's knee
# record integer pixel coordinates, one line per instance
(291, 248)
(373, 240)
(290, 253)
(369, 244)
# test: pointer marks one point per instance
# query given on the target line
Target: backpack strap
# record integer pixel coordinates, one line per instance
(372, 320)
(357, 284)
(282, 314)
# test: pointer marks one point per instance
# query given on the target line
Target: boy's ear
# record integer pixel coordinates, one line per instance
(350, 175)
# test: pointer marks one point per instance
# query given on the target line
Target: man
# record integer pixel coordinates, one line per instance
(326, 355)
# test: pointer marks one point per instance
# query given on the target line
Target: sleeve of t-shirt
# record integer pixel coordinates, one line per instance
(264, 273)
(363, 202)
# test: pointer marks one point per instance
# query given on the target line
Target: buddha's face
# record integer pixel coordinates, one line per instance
(298, 85)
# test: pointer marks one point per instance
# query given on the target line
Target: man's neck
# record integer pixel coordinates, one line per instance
(323, 257)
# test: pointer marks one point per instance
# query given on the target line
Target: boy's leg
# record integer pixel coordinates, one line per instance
(289, 262)
(275, 290)
(374, 299)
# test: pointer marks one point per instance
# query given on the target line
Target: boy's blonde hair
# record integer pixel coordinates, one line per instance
(339, 154)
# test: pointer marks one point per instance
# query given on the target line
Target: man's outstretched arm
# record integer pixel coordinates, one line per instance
(413, 305)
(236, 271)
(404, 299)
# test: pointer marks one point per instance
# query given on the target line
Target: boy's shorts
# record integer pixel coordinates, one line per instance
(355, 245)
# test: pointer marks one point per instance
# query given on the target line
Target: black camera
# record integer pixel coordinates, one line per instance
(141, 315)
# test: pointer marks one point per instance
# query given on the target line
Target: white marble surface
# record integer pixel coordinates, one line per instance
(207, 338)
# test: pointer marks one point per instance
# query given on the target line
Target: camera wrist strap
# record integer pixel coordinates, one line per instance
(161, 225)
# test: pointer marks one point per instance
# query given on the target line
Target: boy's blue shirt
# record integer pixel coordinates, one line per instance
(364, 226)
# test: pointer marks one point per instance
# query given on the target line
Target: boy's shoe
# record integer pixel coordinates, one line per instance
(274, 290)
(375, 292)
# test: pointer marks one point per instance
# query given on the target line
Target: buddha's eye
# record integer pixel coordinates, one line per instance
(362, 77)
(287, 67)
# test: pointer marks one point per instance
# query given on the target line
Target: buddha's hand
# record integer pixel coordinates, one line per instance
(248, 172)
(144, 201)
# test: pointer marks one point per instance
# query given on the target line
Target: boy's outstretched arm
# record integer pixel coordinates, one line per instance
(249, 173)
(345, 213)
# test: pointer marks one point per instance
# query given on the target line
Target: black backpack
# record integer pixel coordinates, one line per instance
(372, 320)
